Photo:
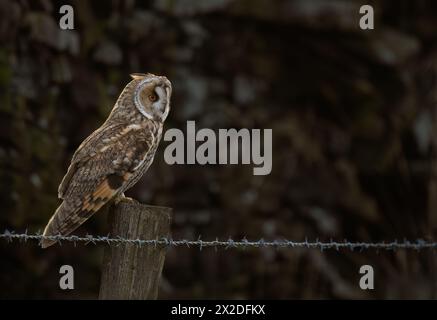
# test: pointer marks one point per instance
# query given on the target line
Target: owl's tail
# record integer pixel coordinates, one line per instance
(63, 222)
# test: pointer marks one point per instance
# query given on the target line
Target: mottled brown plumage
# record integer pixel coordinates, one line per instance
(115, 156)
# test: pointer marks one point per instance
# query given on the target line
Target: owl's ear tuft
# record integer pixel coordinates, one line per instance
(136, 76)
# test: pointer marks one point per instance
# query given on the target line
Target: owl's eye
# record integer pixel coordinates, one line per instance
(153, 97)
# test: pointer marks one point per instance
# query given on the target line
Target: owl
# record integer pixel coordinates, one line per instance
(115, 156)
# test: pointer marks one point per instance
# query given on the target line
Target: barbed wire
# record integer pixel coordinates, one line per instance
(417, 244)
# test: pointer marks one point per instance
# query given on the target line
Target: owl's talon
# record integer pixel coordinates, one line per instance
(121, 197)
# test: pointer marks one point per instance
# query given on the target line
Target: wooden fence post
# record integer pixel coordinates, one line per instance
(130, 271)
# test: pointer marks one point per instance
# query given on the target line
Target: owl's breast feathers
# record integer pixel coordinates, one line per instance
(106, 164)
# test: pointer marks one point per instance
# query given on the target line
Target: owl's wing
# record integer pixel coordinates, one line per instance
(100, 169)
(85, 151)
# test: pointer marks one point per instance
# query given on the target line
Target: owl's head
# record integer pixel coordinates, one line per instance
(152, 95)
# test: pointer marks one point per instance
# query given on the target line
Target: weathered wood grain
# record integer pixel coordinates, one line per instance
(130, 271)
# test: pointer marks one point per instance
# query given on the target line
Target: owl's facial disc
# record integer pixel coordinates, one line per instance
(152, 97)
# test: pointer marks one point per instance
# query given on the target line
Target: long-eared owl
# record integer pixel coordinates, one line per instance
(115, 156)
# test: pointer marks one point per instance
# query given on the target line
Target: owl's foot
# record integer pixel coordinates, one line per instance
(121, 197)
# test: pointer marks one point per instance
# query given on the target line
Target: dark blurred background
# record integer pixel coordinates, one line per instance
(353, 115)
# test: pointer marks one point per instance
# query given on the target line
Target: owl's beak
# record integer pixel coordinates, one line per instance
(162, 93)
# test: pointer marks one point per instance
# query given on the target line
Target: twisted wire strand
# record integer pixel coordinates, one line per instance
(417, 244)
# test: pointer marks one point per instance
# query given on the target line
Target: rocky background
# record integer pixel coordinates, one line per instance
(353, 115)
